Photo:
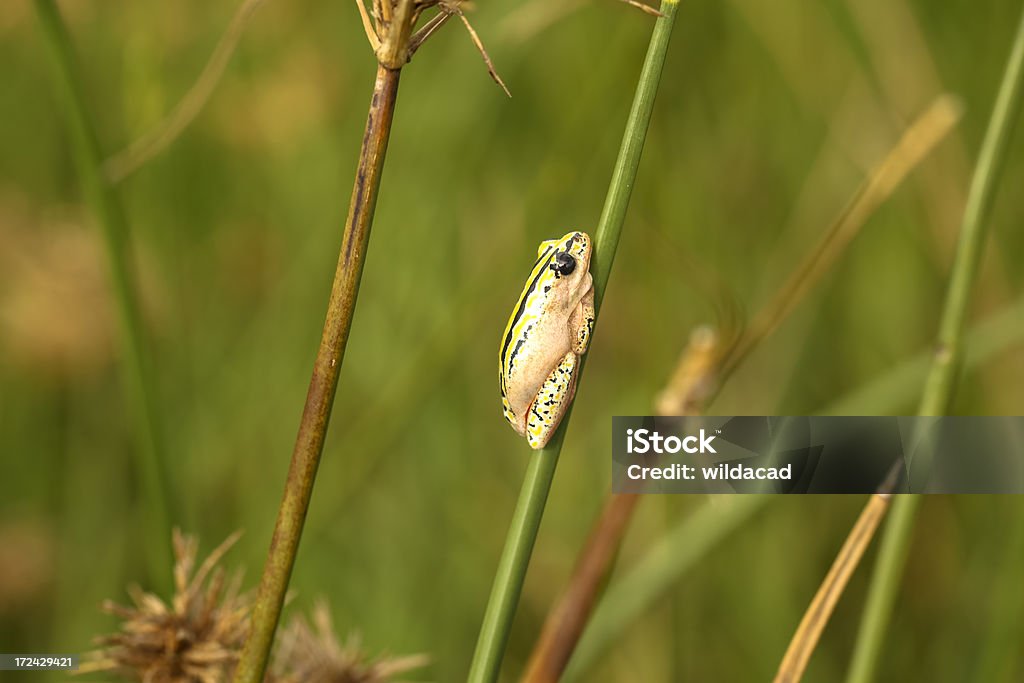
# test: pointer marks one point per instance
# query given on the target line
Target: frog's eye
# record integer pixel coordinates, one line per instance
(563, 263)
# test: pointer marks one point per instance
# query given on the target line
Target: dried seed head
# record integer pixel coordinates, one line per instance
(308, 656)
(194, 639)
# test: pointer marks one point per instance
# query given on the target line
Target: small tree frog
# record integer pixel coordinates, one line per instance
(547, 333)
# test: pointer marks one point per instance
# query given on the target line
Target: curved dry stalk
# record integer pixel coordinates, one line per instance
(480, 46)
(916, 142)
(137, 154)
(368, 27)
(802, 645)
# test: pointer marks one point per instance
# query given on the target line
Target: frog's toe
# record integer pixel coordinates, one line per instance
(552, 400)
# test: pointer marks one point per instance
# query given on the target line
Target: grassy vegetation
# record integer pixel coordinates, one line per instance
(767, 116)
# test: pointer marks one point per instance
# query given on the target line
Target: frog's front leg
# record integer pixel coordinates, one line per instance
(552, 401)
(583, 322)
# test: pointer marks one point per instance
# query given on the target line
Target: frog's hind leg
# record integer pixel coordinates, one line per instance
(552, 401)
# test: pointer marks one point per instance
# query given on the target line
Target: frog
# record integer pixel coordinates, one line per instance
(546, 335)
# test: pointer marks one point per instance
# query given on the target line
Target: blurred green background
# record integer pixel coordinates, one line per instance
(769, 115)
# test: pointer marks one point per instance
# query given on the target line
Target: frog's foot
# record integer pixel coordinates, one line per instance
(552, 401)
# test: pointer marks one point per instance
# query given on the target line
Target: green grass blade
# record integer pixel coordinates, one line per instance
(109, 214)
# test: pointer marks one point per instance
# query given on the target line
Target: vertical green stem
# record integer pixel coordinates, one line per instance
(522, 532)
(941, 381)
(109, 214)
(313, 427)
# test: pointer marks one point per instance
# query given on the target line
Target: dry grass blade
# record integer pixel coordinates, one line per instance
(427, 30)
(446, 10)
(646, 9)
(368, 27)
(129, 160)
(917, 141)
(454, 8)
(791, 670)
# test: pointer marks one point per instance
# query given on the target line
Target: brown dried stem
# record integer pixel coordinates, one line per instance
(453, 8)
(646, 9)
(309, 443)
(320, 396)
(794, 662)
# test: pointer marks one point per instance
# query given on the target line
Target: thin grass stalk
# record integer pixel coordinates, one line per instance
(322, 386)
(140, 387)
(522, 532)
(940, 383)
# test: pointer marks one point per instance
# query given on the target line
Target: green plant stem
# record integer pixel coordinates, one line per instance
(940, 383)
(522, 532)
(320, 396)
(109, 214)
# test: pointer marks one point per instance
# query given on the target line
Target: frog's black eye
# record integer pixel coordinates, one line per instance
(564, 263)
